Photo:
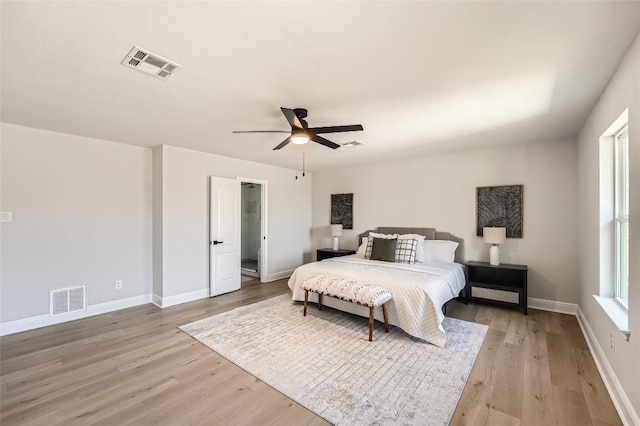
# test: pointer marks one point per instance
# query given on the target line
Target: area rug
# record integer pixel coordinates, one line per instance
(325, 362)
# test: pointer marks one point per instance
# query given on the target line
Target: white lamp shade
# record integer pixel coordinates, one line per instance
(336, 230)
(496, 235)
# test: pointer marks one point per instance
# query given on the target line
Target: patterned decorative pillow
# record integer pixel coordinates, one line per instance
(406, 250)
(420, 250)
(367, 252)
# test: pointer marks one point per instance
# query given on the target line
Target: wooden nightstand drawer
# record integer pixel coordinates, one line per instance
(494, 294)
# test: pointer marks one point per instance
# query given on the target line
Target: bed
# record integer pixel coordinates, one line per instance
(420, 290)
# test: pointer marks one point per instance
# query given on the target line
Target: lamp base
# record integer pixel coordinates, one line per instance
(494, 255)
(336, 243)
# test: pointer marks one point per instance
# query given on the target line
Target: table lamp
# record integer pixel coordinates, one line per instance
(494, 236)
(336, 231)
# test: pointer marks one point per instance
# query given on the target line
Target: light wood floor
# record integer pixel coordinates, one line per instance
(135, 367)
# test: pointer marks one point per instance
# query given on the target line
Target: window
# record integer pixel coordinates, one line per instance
(621, 212)
(613, 294)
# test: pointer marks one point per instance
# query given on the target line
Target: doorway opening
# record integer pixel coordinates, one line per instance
(252, 230)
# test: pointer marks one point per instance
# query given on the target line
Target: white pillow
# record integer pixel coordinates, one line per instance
(363, 247)
(420, 250)
(439, 250)
(387, 236)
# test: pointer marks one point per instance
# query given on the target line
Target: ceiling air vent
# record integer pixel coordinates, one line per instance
(150, 63)
(350, 144)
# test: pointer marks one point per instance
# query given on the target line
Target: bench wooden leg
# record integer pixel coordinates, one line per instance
(371, 324)
(371, 313)
(306, 296)
(386, 320)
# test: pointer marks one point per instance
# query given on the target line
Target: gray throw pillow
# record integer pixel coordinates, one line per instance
(384, 249)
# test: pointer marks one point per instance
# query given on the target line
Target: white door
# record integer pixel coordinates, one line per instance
(224, 236)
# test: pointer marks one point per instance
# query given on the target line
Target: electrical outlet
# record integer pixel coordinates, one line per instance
(118, 284)
(612, 341)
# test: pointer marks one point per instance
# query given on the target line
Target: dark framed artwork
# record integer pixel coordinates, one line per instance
(499, 206)
(342, 210)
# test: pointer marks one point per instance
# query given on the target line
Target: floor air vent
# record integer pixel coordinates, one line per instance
(150, 63)
(65, 300)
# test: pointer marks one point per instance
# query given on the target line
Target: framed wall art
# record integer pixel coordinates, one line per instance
(499, 206)
(342, 210)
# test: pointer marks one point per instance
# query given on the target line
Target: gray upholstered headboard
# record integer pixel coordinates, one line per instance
(429, 234)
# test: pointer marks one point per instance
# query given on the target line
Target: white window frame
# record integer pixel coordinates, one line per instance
(609, 245)
(621, 212)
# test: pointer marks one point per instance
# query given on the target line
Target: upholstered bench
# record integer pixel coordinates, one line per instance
(350, 291)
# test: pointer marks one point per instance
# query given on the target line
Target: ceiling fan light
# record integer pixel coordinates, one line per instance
(299, 139)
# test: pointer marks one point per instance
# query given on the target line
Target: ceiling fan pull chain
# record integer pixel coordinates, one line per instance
(302, 163)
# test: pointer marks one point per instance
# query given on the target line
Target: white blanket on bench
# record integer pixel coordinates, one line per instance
(349, 290)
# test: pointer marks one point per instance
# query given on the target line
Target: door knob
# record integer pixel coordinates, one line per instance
(216, 242)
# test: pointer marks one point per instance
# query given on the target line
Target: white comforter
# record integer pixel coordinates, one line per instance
(419, 290)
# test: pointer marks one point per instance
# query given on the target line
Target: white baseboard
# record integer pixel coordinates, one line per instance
(165, 302)
(278, 276)
(619, 397)
(553, 306)
(25, 324)
(156, 300)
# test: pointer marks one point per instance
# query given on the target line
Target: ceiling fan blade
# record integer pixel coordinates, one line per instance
(336, 129)
(291, 117)
(283, 143)
(323, 141)
(261, 131)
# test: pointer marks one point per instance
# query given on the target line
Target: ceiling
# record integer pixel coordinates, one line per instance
(419, 76)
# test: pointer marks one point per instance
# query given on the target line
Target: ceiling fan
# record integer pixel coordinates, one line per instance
(301, 133)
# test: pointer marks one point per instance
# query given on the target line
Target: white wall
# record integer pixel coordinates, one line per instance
(439, 191)
(622, 92)
(81, 215)
(83, 212)
(185, 197)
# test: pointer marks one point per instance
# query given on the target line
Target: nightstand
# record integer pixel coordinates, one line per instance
(327, 253)
(502, 284)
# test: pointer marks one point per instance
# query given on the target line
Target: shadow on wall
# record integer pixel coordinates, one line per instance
(322, 233)
(510, 249)
(539, 287)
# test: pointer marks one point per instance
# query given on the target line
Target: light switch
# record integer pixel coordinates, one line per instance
(6, 217)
